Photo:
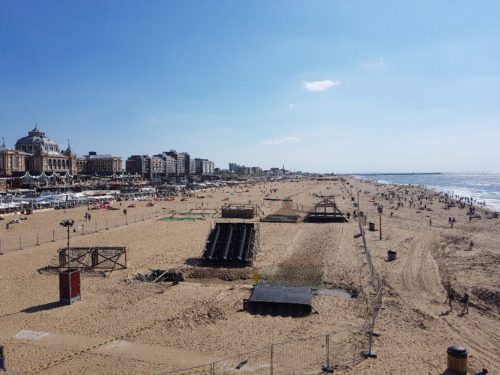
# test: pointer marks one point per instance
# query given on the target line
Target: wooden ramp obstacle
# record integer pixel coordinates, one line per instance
(232, 244)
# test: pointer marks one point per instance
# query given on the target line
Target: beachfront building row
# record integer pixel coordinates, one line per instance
(242, 170)
(168, 164)
(36, 154)
(245, 171)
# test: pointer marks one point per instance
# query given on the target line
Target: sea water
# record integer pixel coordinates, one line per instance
(483, 187)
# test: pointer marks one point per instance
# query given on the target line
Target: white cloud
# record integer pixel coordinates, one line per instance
(279, 141)
(375, 64)
(317, 86)
(292, 106)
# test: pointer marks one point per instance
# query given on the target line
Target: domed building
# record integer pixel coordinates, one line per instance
(44, 154)
(37, 142)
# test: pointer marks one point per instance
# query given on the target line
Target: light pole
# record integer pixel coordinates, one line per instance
(68, 223)
(380, 208)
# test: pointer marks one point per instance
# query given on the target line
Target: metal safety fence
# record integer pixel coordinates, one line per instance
(320, 353)
(378, 288)
(30, 239)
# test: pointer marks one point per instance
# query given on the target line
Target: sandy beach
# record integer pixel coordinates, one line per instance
(125, 326)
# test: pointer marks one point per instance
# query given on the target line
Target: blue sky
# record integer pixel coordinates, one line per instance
(342, 86)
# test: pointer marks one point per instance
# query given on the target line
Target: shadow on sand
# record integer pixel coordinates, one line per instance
(44, 307)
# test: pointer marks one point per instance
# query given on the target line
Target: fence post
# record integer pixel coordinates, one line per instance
(272, 359)
(83, 228)
(53, 235)
(371, 331)
(107, 223)
(327, 351)
(213, 368)
(37, 240)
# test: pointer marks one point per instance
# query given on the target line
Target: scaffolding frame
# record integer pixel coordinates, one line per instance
(96, 258)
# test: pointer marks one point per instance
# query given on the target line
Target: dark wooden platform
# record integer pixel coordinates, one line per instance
(282, 300)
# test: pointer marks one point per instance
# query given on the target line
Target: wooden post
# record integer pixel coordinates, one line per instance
(380, 224)
(53, 235)
(37, 240)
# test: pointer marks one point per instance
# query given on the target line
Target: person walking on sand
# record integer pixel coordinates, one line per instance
(450, 297)
(465, 301)
(430, 222)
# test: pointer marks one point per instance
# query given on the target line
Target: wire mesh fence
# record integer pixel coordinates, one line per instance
(309, 353)
(13, 242)
(321, 354)
(258, 362)
(376, 305)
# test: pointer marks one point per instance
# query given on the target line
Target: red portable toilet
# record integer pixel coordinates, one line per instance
(69, 286)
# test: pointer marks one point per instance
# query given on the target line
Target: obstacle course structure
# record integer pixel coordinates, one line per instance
(277, 218)
(231, 244)
(325, 211)
(97, 258)
(238, 211)
(282, 300)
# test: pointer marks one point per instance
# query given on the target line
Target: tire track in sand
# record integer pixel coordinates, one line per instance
(422, 289)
